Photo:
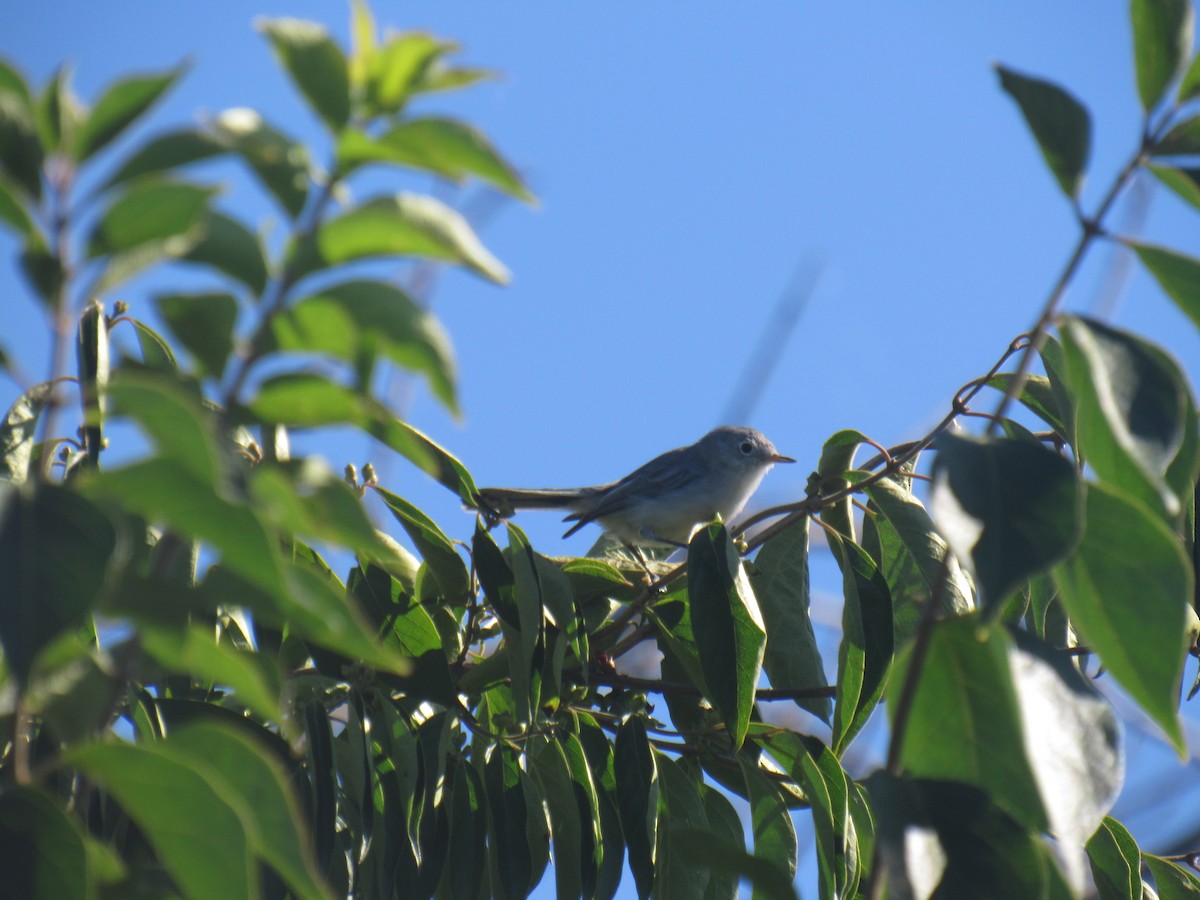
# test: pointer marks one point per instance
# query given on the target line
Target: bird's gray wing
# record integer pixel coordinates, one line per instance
(662, 475)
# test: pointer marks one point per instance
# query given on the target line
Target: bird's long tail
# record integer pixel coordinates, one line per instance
(505, 500)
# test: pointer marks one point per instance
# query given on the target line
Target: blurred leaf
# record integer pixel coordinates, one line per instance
(149, 211)
(169, 150)
(363, 44)
(779, 576)
(680, 806)
(1177, 275)
(281, 164)
(43, 271)
(548, 767)
(1172, 880)
(1127, 589)
(54, 551)
(13, 213)
(42, 852)
(1037, 396)
(865, 653)
(58, 112)
(1011, 507)
(1116, 862)
(403, 225)
(728, 626)
(1189, 85)
(1185, 182)
(1131, 409)
(965, 721)
(175, 419)
(156, 352)
(396, 68)
(20, 150)
(18, 430)
(507, 818)
(12, 80)
(435, 548)
(360, 319)
(119, 106)
(771, 823)
(230, 247)
(637, 800)
(445, 147)
(1060, 124)
(303, 400)
(203, 324)
(704, 848)
(306, 497)
(431, 458)
(1182, 140)
(153, 782)
(316, 65)
(725, 832)
(1162, 42)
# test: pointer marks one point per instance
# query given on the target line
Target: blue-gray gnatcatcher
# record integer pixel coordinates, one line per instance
(666, 499)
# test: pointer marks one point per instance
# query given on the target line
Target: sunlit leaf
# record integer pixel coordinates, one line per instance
(149, 211)
(169, 150)
(281, 164)
(1185, 182)
(1116, 861)
(316, 65)
(17, 432)
(1162, 43)
(1177, 274)
(119, 106)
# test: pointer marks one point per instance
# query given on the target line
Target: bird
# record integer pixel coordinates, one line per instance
(663, 502)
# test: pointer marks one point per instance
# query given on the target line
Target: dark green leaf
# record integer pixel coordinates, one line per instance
(12, 80)
(725, 831)
(779, 577)
(20, 150)
(180, 427)
(771, 825)
(1162, 41)
(1010, 506)
(357, 320)
(92, 357)
(43, 271)
(42, 854)
(281, 164)
(466, 858)
(306, 497)
(443, 146)
(436, 549)
(837, 458)
(17, 432)
(13, 213)
(230, 247)
(54, 548)
(316, 65)
(1178, 275)
(1037, 396)
(207, 852)
(1182, 140)
(728, 627)
(204, 324)
(1116, 862)
(431, 458)
(156, 352)
(58, 112)
(549, 770)
(169, 150)
(865, 654)
(507, 818)
(149, 211)
(1131, 409)
(637, 800)
(120, 105)
(704, 848)
(1127, 589)
(1060, 125)
(680, 806)
(303, 400)
(1172, 880)
(827, 788)
(1185, 182)
(1189, 84)
(403, 225)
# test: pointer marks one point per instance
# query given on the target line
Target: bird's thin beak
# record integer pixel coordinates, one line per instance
(777, 458)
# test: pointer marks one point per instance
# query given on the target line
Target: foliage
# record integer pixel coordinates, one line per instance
(196, 703)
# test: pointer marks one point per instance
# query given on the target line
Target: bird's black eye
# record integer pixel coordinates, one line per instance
(747, 448)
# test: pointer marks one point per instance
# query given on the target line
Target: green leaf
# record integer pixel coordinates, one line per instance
(466, 851)
(637, 800)
(316, 65)
(230, 247)
(728, 626)
(865, 654)
(507, 818)
(203, 324)
(837, 458)
(42, 852)
(54, 550)
(965, 721)
(156, 352)
(1127, 589)
(1162, 43)
(549, 770)
(169, 150)
(1130, 410)
(771, 823)
(1176, 274)
(18, 430)
(446, 147)
(357, 320)
(1037, 395)
(264, 787)
(827, 788)
(680, 806)
(1011, 507)
(403, 225)
(1116, 862)
(44, 272)
(1185, 182)
(206, 852)
(149, 211)
(435, 547)
(120, 105)
(13, 213)
(12, 80)
(1182, 140)
(281, 164)
(1060, 125)
(1189, 85)
(92, 358)
(58, 112)
(1172, 880)
(396, 69)
(779, 577)
(174, 418)
(20, 150)
(428, 456)
(306, 497)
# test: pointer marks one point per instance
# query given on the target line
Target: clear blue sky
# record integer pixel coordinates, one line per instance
(687, 159)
